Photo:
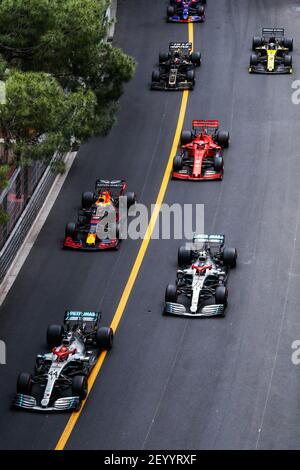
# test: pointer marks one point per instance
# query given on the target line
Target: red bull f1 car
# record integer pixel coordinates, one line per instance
(59, 382)
(98, 224)
(200, 289)
(186, 11)
(201, 152)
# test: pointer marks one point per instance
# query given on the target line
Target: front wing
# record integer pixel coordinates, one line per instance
(191, 19)
(71, 244)
(164, 86)
(207, 177)
(29, 402)
(217, 310)
(278, 70)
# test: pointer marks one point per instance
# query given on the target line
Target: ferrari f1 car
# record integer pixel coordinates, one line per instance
(176, 68)
(200, 289)
(271, 52)
(186, 11)
(59, 382)
(201, 156)
(97, 227)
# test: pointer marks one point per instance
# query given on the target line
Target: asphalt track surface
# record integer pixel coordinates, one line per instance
(174, 383)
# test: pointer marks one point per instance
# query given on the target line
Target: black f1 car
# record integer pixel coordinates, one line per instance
(200, 289)
(176, 68)
(186, 11)
(271, 52)
(97, 227)
(59, 382)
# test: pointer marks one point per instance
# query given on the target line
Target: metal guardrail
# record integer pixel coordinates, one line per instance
(21, 229)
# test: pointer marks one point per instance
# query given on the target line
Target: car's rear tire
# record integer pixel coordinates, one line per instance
(24, 383)
(171, 293)
(218, 163)
(131, 199)
(170, 11)
(155, 76)
(196, 58)
(184, 257)
(104, 338)
(80, 386)
(70, 230)
(87, 199)
(288, 61)
(223, 139)
(253, 60)
(230, 257)
(288, 43)
(221, 295)
(256, 42)
(186, 137)
(54, 335)
(163, 57)
(177, 163)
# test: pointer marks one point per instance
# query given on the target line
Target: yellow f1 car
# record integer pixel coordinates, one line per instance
(271, 52)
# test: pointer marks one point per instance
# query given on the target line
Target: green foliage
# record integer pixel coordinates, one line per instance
(3, 176)
(4, 217)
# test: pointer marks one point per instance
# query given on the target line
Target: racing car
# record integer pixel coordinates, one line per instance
(59, 382)
(99, 219)
(200, 289)
(186, 11)
(201, 152)
(271, 52)
(176, 68)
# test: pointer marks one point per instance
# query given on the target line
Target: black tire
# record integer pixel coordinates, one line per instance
(70, 230)
(221, 295)
(186, 137)
(204, 2)
(80, 386)
(170, 11)
(24, 383)
(163, 57)
(87, 199)
(177, 163)
(288, 61)
(253, 59)
(54, 335)
(104, 338)
(288, 43)
(256, 42)
(230, 257)
(200, 10)
(190, 76)
(131, 199)
(218, 163)
(223, 139)
(171, 293)
(184, 257)
(155, 76)
(196, 58)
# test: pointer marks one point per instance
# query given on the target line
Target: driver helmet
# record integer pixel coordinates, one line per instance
(104, 198)
(202, 255)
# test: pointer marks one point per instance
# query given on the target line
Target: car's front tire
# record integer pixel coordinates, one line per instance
(80, 386)
(171, 293)
(24, 383)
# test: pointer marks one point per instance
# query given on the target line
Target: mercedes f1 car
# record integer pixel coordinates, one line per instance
(201, 153)
(59, 382)
(271, 52)
(176, 68)
(186, 11)
(200, 289)
(99, 219)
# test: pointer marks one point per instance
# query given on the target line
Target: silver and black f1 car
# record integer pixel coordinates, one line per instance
(59, 382)
(200, 289)
(176, 68)
(97, 227)
(271, 52)
(186, 11)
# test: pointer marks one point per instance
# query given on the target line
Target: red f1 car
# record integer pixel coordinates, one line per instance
(97, 227)
(201, 156)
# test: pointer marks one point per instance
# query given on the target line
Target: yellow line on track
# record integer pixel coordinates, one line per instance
(138, 262)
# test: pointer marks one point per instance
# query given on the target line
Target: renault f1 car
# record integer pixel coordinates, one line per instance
(186, 11)
(59, 382)
(201, 153)
(97, 227)
(176, 68)
(200, 289)
(271, 52)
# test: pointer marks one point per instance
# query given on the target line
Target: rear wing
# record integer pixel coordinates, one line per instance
(114, 186)
(215, 238)
(277, 33)
(81, 317)
(185, 47)
(212, 124)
